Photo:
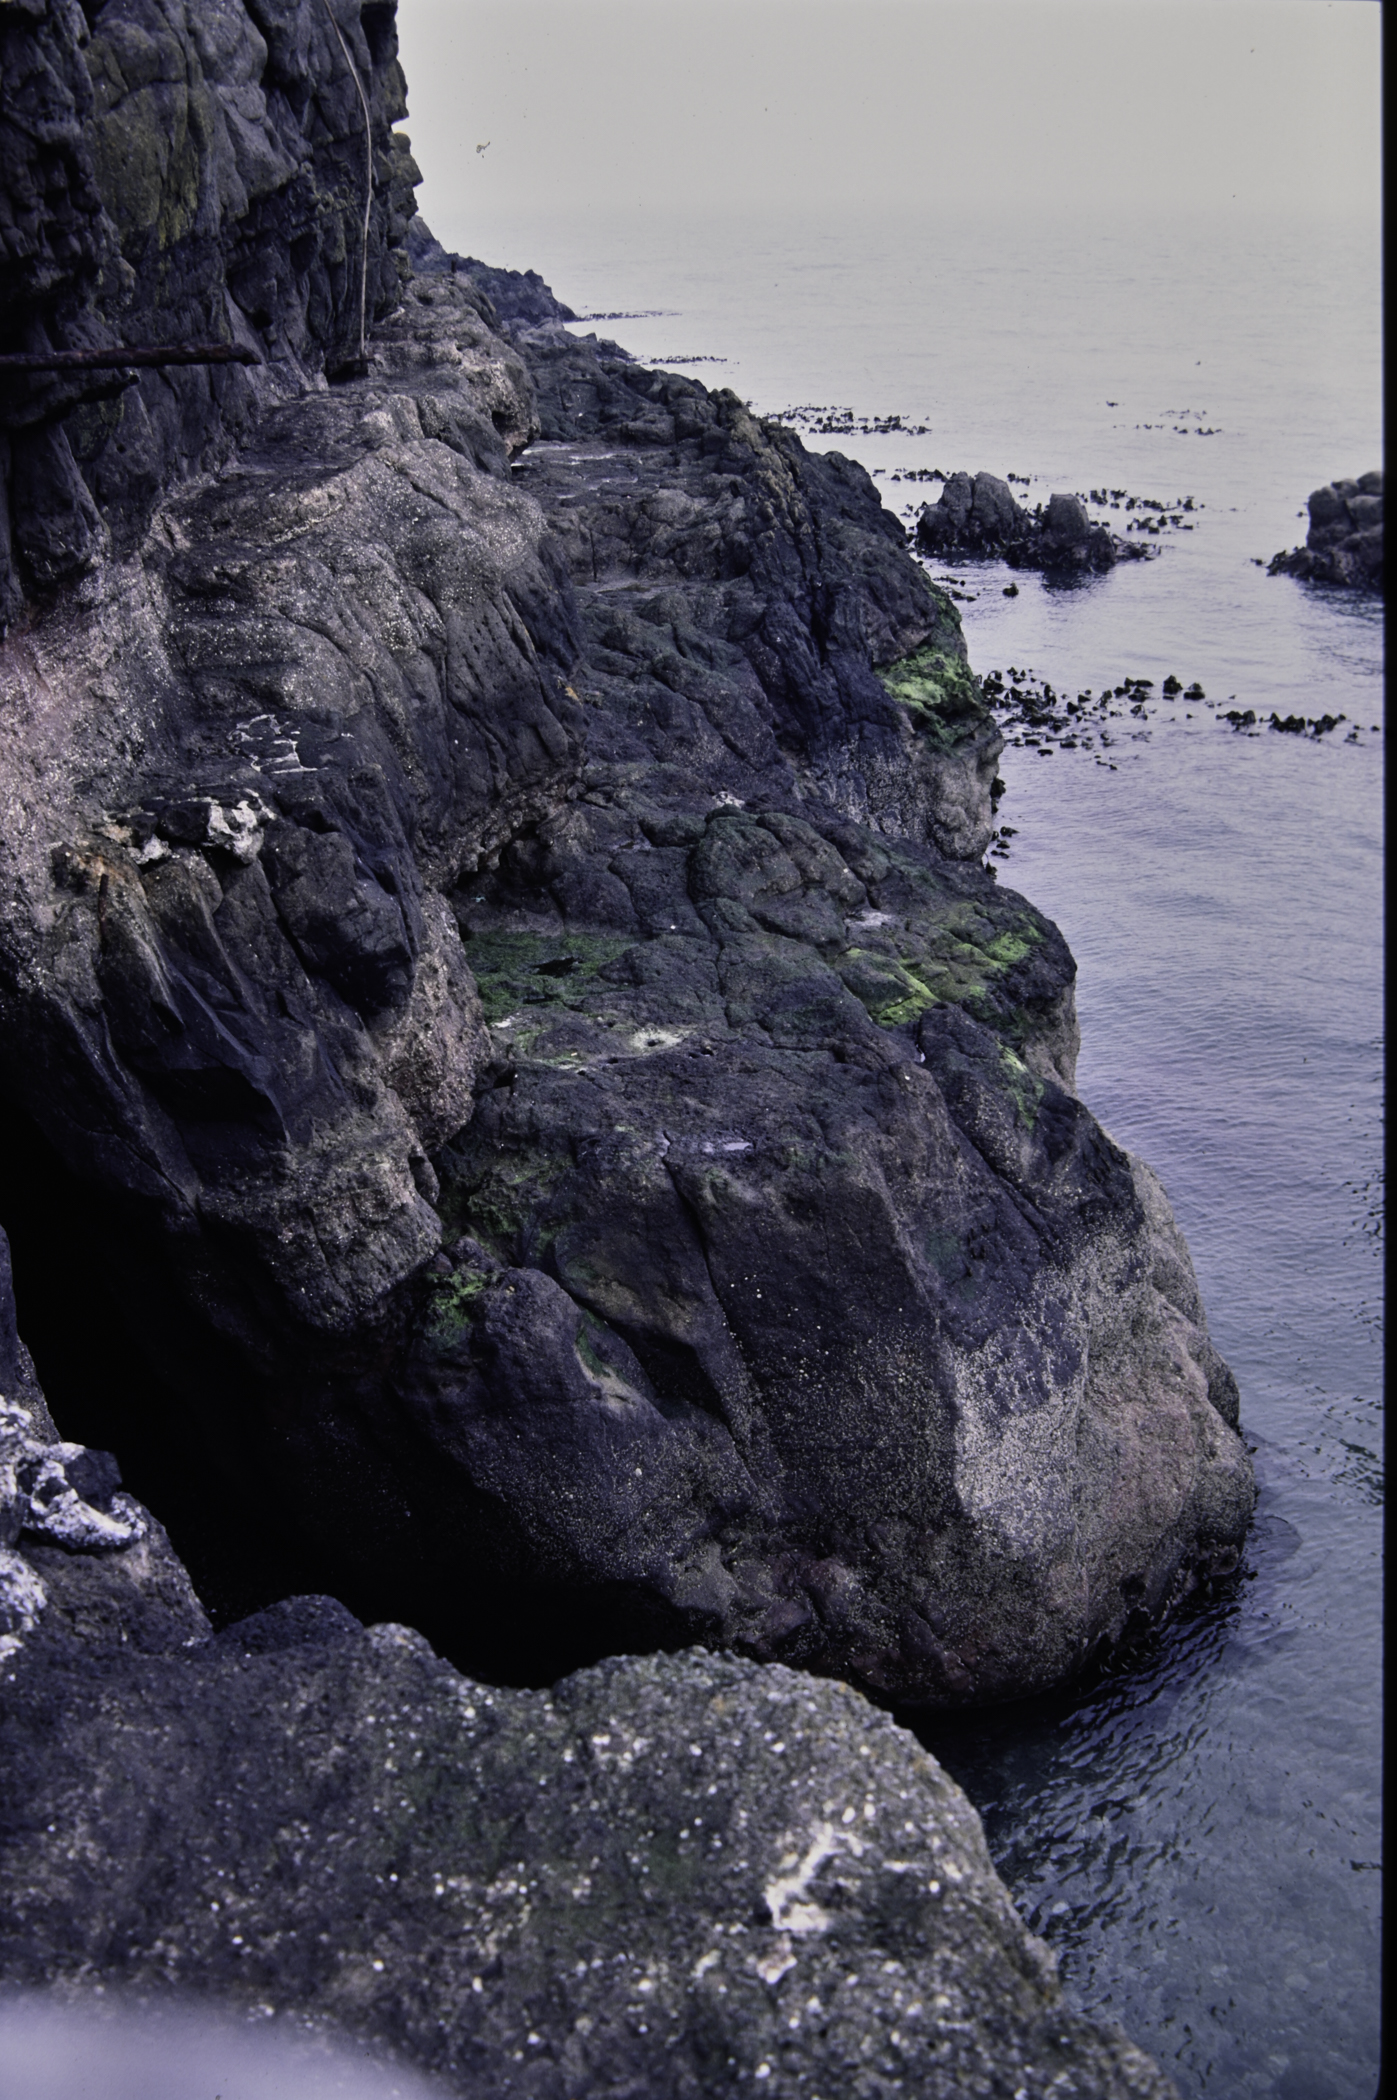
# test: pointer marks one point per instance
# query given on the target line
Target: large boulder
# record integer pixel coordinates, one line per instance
(978, 515)
(674, 1875)
(1345, 543)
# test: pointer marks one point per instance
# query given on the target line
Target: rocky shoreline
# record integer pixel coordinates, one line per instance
(600, 933)
(575, 1150)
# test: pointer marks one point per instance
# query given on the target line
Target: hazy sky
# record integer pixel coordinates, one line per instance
(663, 106)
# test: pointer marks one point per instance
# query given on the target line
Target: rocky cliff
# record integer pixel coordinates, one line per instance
(570, 1146)
(175, 173)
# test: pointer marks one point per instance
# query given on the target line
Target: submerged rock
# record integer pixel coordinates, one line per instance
(1344, 544)
(978, 518)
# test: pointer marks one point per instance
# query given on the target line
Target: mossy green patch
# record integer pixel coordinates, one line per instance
(1012, 945)
(940, 692)
(894, 994)
(1025, 1088)
(945, 1251)
(495, 1195)
(514, 970)
(450, 1311)
(951, 954)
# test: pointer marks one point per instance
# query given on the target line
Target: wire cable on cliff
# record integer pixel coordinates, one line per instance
(115, 360)
(368, 181)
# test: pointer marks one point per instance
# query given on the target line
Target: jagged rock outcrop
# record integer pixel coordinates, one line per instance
(671, 1876)
(1344, 543)
(576, 1147)
(973, 519)
(177, 172)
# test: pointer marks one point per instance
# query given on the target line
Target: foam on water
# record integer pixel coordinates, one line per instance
(1198, 1832)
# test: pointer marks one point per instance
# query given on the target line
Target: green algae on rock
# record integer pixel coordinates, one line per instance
(939, 689)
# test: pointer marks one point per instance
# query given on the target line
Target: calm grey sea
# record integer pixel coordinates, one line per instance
(1198, 1833)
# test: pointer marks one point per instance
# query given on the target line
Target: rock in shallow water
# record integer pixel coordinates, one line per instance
(979, 518)
(1345, 541)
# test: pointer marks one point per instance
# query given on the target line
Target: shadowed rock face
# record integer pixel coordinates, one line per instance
(176, 172)
(574, 1144)
(672, 1875)
(1344, 544)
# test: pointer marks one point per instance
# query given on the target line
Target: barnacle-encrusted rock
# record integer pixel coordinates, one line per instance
(675, 1875)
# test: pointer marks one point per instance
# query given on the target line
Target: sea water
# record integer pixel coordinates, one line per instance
(1196, 1833)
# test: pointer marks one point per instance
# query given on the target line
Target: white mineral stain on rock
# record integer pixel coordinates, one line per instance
(651, 1039)
(787, 1894)
(22, 1598)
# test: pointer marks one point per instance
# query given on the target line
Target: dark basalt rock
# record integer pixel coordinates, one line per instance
(980, 518)
(674, 1875)
(576, 1149)
(170, 173)
(1344, 544)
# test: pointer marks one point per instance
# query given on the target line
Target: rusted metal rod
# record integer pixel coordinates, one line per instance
(115, 360)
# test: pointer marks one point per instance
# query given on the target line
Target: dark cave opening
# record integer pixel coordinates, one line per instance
(229, 1477)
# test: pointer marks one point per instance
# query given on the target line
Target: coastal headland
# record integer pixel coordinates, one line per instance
(572, 1148)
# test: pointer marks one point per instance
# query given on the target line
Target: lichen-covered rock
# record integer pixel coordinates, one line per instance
(1344, 544)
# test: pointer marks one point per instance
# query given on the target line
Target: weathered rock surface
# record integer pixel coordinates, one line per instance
(1344, 543)
(980, 517)
(177, 172)
(668, 1876)
(572, 1141)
